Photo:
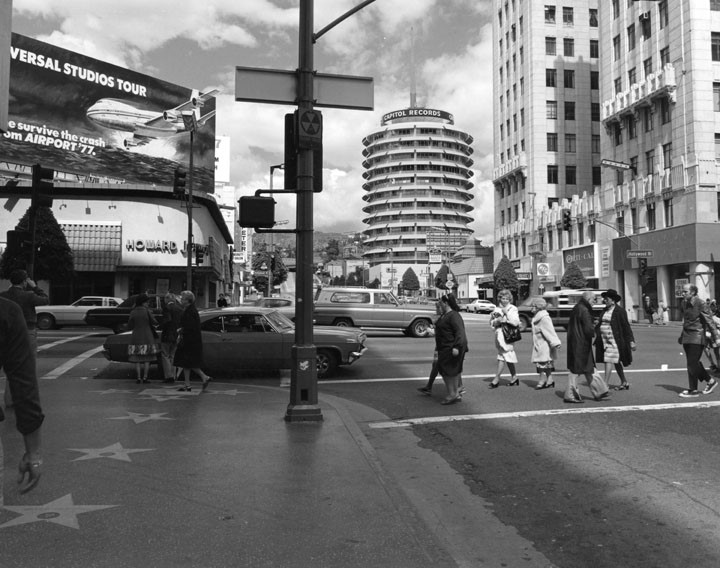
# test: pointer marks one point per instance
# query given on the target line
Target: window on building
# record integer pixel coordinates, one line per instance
(715, 46)
(646, 25)
(595, 144)
(596, 175)
(514, 62)
(551, 77)
(501, 102)
(522, 117)
(515, 123)
(647, 67)
(571, 175)
(502, 132)
(715, 5)
(667, 155)
(619, 177)
(631, 127)
(570, 144)
(616, 48)
(669, 213)
(617, 134)
(569, 234)
(500, 46)
(552, 142)
(665, 110)
(634, 220)
(620, 223)
(550, 46)
(568, 47)
(569, 78)
(649, 162)
(631, 37)
(633, 166)
(522, 55)
(549, 14)
(717, 147)
(594, 80)
(593, 18)
(650, 216)
(551, 110)
(552, 174)
(595, 112)
(550, 240)
(569, 110)
(632, 76)
(663, 13)
(522, 86)
(591, 233)
(648, 119)
(580, 232)
(664, 57)
(617, 85)
(514, 89)
(568, 17)
(594, 49)
(615, 9)
(502, 218)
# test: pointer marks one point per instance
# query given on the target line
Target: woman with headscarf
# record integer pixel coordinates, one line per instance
(451, 345)
(189, 354)
(504, 313)
(614, 341)
(545, 344)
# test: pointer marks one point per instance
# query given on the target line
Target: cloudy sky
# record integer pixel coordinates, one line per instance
(198, 44)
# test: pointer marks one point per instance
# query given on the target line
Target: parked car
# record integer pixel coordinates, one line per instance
(116, 318)
(49, 317)
(480, 307)
(559, 305)
(371, 308)
(463, 303)
(252, 337)
(285, 306)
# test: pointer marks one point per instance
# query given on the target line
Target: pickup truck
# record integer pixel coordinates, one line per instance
(371, 308)
(116, 318)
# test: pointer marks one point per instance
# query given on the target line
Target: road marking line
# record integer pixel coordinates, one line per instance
(60, 342)
(65, 367)
(530, 413)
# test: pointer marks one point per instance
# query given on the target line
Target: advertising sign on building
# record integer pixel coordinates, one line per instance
(584, 257)
(96, 122)
(222, 159)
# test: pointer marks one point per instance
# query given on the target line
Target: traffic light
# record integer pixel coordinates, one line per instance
(179, 182)
(642, 265)
(42, 186)
(256, 212)
(566, 219)
(199, 255)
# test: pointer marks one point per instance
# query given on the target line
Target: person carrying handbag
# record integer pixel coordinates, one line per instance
(505, 314)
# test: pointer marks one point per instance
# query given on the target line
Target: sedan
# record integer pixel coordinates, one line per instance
(49, 317)
(249, 337)
(480, 307)
(285, 306)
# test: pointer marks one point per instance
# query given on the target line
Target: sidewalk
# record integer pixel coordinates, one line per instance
(141, 475)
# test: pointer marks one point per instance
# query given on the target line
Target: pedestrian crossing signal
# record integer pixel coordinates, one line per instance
(566, 219)
(179, 182)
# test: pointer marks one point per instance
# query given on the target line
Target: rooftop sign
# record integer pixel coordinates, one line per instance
(419, 113)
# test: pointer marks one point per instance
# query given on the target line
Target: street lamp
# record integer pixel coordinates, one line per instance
(191, 125)
(358, 245)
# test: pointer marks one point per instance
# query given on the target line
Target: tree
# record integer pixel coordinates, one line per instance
(445, 279)
(332, 250)
(505, 276)
(264, 262)
(374, 284)
(53, 256)
(573, 277)
(410, 280)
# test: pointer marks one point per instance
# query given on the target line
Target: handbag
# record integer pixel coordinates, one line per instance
(511, 333)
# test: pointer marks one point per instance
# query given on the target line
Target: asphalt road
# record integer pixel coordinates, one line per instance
(630, 482)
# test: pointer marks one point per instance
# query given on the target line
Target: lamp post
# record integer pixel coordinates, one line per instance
(191, 124)
(268, 292)
(392, 269)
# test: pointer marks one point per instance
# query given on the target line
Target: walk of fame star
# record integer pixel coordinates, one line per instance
(140, 418)
(113, 452)
(61, 512)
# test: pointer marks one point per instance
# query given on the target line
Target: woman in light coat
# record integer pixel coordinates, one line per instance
(505, 312)
(545, 344)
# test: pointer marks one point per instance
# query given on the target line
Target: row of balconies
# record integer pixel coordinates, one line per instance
(400, 157)
(446, 134)
(412, 192)
(641, 93)
(512, 166)
(421, 167)
(423, 145)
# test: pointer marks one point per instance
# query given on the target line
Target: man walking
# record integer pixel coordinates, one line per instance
(580, 361)
(26, 294)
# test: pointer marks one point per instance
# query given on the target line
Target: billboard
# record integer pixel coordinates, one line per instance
(96, 122)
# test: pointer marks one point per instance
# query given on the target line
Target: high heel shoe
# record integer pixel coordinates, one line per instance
(494, 385)
(622, 387)
(206, 382)
(514, 383)
(545, 386)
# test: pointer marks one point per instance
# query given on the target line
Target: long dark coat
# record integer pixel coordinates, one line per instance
(449, 333)
(623, 335)
(580, 333)
(189, 354)
(171, 322)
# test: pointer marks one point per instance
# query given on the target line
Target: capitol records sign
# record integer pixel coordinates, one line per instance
(585, 257)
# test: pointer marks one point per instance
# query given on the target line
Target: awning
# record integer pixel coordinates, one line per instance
(95, 246)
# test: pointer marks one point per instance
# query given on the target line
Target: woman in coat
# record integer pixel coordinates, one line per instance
(615, 340)
(696, 317)
(189, 354)
(143, 347)
(505, 312)
(545, 344)
(451, 345)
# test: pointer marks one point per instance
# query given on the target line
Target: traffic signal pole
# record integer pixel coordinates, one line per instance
(303, 404)
(189, 249)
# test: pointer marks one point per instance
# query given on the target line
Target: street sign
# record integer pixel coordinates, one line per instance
(639, 254)
(309, 129)
(277, 86)
(613, 164)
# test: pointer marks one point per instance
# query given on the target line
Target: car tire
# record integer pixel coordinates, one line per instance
(343, 322)
(420, 328)
(327, 363)
(45, 321)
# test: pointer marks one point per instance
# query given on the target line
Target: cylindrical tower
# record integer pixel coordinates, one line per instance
(417, 168)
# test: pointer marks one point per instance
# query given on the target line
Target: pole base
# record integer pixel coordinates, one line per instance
(303, 413)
